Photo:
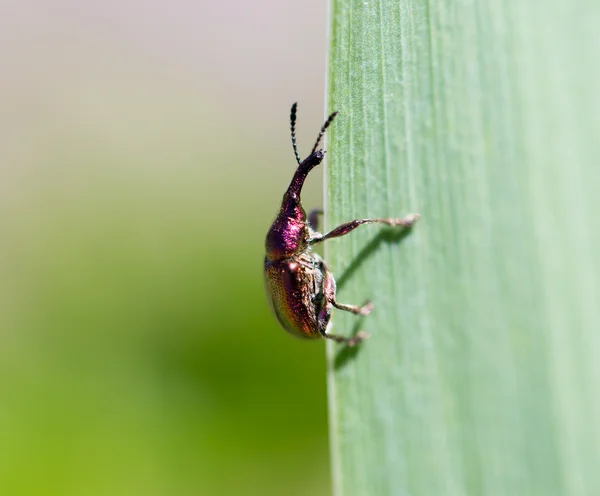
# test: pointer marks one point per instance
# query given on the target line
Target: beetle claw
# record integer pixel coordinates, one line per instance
(360, 337)
(366, 308)
(409, 220)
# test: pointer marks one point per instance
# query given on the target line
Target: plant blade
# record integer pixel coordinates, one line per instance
(480, 376)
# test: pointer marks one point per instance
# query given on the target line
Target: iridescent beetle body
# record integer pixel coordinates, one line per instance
(300, 287)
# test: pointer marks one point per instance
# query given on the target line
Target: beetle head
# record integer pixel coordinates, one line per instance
(289, 233)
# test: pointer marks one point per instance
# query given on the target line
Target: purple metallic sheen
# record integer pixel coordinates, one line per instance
(289, 233)
(286, 237)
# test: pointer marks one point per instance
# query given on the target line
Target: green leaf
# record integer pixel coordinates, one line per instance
(482, 372)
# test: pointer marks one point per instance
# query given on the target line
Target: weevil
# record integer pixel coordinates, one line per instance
(299, 285)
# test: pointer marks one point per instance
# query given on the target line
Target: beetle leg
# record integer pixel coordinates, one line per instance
(355, 309)
(347, 227)
(329, 302)
(313, 218)
(323, 319)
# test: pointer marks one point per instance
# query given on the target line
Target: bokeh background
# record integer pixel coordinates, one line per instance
(144, 149)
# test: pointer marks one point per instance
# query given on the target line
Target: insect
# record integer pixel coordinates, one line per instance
(299, 286)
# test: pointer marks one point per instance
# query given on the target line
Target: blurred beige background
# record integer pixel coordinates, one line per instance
(144, 148)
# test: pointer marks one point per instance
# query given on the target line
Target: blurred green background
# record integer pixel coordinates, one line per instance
(144, 149)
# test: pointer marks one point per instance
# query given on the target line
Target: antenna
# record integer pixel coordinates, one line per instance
(325, 126)
(293, 128)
